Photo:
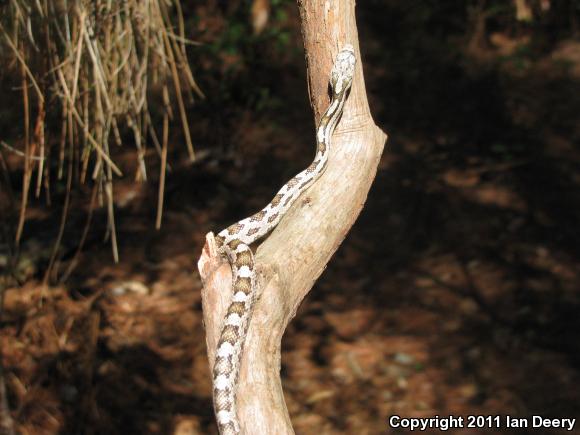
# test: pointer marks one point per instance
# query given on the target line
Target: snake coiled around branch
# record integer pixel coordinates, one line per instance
(233, 244)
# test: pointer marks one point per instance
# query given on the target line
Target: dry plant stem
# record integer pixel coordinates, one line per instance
(27, 163)
(100, 60)
(180, 104)
(291, 259)
(39, 135)
(163, 168)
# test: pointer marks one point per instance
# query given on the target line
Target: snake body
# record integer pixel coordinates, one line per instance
(233, 243)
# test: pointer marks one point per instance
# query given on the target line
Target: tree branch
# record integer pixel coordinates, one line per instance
(290, 260)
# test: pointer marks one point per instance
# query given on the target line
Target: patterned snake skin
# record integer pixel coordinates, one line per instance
(233, 243)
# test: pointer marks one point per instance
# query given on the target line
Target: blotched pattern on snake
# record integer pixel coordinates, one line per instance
(233, 243)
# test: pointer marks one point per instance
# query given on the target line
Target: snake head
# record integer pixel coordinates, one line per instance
(343, 70)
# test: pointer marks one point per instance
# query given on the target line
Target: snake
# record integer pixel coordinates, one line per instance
(233, 244)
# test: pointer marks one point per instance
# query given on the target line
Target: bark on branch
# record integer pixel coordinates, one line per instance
(290, 260)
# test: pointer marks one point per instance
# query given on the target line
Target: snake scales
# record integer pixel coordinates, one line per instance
(233, 243)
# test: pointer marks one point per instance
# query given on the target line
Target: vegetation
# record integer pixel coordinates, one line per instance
(98, 64)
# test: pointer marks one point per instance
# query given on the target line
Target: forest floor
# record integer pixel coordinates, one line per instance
(456, 292)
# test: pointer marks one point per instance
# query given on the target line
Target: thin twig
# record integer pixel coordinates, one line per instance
(27, 166)
(161, 193)
(18, 152)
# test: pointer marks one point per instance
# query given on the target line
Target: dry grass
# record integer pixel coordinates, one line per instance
(99, 61)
